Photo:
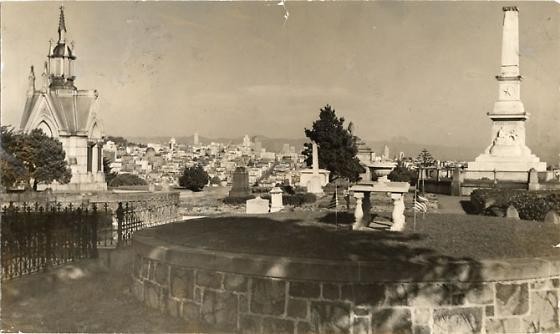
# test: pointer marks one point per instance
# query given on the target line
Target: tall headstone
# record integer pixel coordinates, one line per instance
(276, 199)
(508, 151)
(240, 183)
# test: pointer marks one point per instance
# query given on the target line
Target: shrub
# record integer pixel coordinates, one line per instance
(237, 200)
(127, 180)
(531, 205)
(297, 199)
(215, 180)
(403, 174)
(194, 178)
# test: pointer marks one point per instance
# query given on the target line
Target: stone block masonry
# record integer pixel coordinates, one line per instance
(246, 303)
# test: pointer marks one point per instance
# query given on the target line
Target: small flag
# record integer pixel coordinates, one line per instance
(422, 199)
(420, 207)
(334, 201)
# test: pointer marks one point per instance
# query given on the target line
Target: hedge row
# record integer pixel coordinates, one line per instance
(531, 205)
(236, 200)
(297, 199)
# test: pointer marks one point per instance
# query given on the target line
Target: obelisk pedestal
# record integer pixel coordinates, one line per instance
(507, 154)
(314, 184)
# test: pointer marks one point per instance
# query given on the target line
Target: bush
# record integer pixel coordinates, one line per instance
(215, 180)
(237, 200)
(403, 174)
(194, 178)
(531, 205)
(297, 199)
(127, 180)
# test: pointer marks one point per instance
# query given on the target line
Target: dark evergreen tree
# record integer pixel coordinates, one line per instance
(337, 146)
(194, 178)
(425, 159)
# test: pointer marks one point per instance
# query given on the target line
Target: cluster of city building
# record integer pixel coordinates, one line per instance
(163, 164)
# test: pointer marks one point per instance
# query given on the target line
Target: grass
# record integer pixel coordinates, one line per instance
(81, 298)
(314, 235)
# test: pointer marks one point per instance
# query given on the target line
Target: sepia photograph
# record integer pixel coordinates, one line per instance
(280, 167)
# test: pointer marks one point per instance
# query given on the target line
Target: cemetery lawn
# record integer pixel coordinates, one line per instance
(315, 235)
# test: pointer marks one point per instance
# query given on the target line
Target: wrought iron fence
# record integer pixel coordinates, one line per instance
(35, 237)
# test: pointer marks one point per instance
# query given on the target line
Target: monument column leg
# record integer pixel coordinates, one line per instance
(358, 212)
(398, 212)
(366, 208)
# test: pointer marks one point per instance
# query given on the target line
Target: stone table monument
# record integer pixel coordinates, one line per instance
(507, 151)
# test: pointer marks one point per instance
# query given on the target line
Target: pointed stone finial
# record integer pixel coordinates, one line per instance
(51, 47)
(45, 76)
(61, 25)
(31, 88)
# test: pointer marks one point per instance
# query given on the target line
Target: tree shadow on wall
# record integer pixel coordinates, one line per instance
(395, 271)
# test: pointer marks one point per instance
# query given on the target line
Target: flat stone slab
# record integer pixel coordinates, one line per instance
(372, 186)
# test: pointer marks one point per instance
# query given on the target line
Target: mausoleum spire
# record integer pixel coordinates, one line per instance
(61, 26)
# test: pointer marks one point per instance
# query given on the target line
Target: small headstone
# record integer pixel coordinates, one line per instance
(257, 205)
(511, 212)
(314, 185)
(496, 211)
(552, 217)
(533, 180)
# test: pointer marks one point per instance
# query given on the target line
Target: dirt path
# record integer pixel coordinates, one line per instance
(451, 204)
(81, 299)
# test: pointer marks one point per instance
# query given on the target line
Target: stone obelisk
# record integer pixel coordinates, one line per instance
(314, 184)
(507, 151)
(315, 157)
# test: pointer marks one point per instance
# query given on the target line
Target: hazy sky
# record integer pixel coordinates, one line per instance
(422, 70)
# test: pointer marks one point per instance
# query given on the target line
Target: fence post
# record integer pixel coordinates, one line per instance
(120, 217)
(94, 231)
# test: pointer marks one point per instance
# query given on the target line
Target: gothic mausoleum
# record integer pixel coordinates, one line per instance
(68, 114)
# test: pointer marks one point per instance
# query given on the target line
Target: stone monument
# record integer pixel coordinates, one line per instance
(314, 184)
(240, 183)
(507, 151)
(257, 206)
(276, 199)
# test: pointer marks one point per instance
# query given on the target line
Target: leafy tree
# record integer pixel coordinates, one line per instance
(194, 178)
(127, 180)
(12, 170)
(337, 146)
(33, 156)
(425, 159)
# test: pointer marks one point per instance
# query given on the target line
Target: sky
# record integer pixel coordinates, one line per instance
(420, 70)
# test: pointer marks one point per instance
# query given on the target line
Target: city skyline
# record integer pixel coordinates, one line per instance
(389, 68)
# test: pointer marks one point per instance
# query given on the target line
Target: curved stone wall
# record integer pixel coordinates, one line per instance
(265, 294)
